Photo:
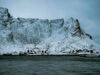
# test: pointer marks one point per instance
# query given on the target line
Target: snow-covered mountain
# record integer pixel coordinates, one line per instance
(55, 36)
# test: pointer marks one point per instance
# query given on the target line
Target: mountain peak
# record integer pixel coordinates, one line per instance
(74, 27)
(4, 14)
(75, 30)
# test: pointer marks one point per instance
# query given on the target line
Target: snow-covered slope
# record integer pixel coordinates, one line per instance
(55, 36)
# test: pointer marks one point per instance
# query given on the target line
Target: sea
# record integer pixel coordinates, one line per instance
(49, 65)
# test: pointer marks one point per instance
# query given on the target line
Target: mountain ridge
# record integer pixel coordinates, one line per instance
(57, 36)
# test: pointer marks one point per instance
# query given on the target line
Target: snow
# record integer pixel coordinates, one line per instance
(57, 36)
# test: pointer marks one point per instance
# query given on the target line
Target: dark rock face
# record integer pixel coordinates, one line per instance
(78, 31)
(89, 36)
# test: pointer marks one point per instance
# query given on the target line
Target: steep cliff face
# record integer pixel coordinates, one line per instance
(57, 36)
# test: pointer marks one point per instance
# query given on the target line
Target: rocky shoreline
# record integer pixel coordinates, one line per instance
(80, 55)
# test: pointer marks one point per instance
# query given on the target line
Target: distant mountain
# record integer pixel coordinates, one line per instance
(55, 36)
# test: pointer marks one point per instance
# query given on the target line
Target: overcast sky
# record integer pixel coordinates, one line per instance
(87, 11)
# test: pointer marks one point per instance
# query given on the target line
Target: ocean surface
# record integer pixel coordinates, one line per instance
(49, 65)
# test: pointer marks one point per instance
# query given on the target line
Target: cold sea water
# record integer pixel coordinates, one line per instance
(49, 65)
